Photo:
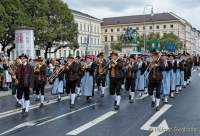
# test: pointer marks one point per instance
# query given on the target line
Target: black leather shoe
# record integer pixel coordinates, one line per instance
(131, 101)
(71, 106)
(41, 105)
(153, 104)
(157, 108)
(17, 105)
(117, 107)
(25, 114)
(115, 103)
(23, 111)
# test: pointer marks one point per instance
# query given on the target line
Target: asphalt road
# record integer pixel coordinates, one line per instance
(182, 116)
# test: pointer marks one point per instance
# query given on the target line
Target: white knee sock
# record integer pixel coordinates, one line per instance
(38, 97)
(22, 103)
(153, 98)
(166, 98)
(42, 99)
(118, 99)
(172, 94)
(157, 102)
(185, 83)
(78, 90)
(177, 89)
(102, 90)
(122, 86)
(115, 97)
(27, 103)
(73, 96)
(59, 96)
(132, 94)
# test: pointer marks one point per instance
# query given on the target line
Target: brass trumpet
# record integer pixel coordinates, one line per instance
(12, 72)
(56, 73)
(151, 65)
(106, 67)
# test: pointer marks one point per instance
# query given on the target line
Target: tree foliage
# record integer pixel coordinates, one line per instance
(116, 46)
(171, 38)
(52, 21)
(12, 15)
(166, 38)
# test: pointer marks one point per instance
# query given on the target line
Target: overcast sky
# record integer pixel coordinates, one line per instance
(187, 9)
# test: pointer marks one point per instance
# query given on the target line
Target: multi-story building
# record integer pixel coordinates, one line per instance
(89, 37)
(195, 41)
(160, 23)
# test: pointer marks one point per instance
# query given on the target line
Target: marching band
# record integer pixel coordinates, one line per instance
(162, 76)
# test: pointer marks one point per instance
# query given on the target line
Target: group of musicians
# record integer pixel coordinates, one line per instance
(166, 74)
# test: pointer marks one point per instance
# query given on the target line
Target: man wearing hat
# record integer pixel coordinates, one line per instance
(130, 75)
(155, 79)
(116, 75)
(78, 86)
(101, 73)
(72, 69)
(25, 79)
(40, 79)
(190, 65)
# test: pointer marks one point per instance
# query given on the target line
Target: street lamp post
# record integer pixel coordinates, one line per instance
(152, 14)
(89, 38)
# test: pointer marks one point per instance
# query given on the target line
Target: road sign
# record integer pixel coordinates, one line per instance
(171, 47)
(153, 44)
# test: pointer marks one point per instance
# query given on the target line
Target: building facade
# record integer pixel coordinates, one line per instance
(89, 37)
(160, 23)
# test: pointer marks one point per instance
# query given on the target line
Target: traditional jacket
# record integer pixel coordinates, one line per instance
(131, 72)
(72, 73)
(100, 67)
(41, 74)
(25, 75)
(155, 74)
(116, 70)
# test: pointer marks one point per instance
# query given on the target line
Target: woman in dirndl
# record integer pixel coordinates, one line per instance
(140, 81)
(87, 82)
(58, 84)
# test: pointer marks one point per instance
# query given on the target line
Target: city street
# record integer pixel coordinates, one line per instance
(179, 118)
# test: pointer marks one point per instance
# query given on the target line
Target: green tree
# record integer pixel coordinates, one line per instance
(54, 24)
(171, 38)
(12, 15)
(52, 21)
(116, 46)
(153, 36)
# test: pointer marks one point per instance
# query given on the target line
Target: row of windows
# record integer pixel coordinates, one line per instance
(88, 28)
(137, 28)
(118, 37)
(76, 53)
(111, 38)
(92, 40)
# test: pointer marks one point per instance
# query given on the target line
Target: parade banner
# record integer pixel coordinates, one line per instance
(24, 41)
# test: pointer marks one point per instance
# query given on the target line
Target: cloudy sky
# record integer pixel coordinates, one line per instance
(187, 9)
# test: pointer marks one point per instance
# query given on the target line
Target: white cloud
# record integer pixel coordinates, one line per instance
(187, 9)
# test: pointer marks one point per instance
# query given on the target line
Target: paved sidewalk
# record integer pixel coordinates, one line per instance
(5, 93)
